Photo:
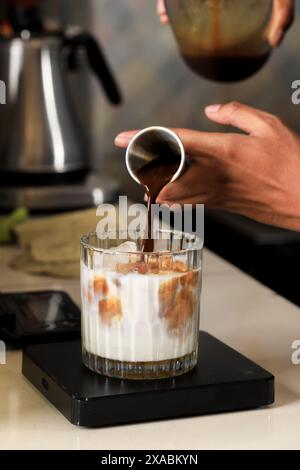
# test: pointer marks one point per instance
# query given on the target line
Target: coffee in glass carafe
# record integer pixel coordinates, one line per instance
(222, 40)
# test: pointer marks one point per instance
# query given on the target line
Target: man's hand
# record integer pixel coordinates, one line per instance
(256, 174)
(282, 19)
(162, 12)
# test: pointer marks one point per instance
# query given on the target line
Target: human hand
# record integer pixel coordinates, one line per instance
(162, 12)
(256, 174)
(282, 19)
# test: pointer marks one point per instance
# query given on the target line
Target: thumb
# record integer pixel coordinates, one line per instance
(162, 11)
(282, 18)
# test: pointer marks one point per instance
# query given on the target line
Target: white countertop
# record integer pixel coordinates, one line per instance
(237, 310)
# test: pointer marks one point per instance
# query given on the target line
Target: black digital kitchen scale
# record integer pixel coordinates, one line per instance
(223, 380)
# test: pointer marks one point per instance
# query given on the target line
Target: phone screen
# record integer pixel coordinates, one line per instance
(31, 309)
(44, 307)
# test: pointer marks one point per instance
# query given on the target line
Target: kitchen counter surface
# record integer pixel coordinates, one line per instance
(236, 309)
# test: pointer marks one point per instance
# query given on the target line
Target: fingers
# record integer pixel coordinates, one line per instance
(162, 12)
(122, 140)
(282, 19)
(197, 144)
(250, 120)
(202, 182)
(194, 142)
(179, 190)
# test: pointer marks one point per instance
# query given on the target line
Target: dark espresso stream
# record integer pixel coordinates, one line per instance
(154, 176)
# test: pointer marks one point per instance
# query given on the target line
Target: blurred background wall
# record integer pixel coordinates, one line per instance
(158, 88)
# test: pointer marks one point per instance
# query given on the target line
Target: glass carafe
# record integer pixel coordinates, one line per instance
(223, 40)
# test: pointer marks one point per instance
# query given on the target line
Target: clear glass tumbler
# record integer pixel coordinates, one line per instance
(140, 311)
(223, 40)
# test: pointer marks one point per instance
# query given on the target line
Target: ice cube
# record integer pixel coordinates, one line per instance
(125, 247)
(122, 254)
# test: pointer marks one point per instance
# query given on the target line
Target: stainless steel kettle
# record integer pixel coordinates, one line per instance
(40, 135)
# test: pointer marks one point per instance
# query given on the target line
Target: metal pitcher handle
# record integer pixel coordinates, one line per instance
(97, 62)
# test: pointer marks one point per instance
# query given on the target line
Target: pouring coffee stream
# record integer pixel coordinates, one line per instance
(216, 24)
(154, 176)
(230, 65)
(154, 158)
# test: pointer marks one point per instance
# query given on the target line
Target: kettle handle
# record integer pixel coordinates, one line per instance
(98, 64)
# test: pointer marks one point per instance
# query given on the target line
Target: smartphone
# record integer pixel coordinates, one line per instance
(38, 317)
